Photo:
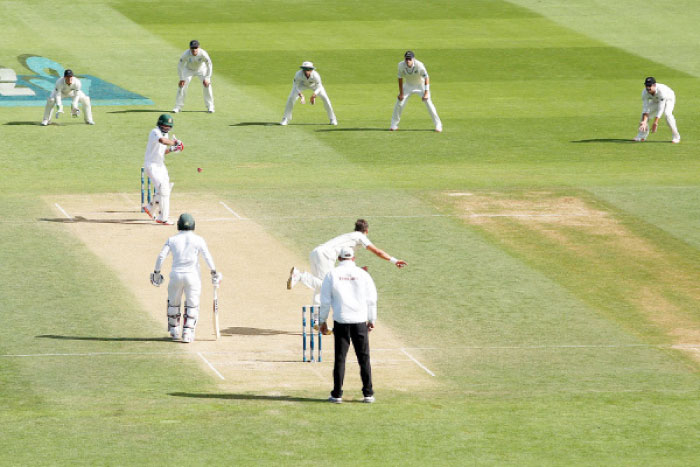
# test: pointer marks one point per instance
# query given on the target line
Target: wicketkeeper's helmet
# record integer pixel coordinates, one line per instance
(165, 120)
(185, 222)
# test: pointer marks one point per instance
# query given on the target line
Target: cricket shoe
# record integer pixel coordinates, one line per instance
(187, 336)
(176, 110)
(334, 122)
(44, 122)
(174, 333)
(89, 122)
(676, 139)
(149, 209)
(393, 128)
(335, 400)
(210, 111)
(438, 129)
(284, 122)
(294, 277)
(164, 221)
(368, 399)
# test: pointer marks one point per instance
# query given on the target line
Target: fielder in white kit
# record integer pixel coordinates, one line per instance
(413, 79)
(194, 62)
(323, 258)
(68, 86)
(305, 79)
(160, 144)
(186, 247)
(657, 99)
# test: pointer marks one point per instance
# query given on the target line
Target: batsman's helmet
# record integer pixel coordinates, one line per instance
(165, 120)
(68, 73)
(185, 222)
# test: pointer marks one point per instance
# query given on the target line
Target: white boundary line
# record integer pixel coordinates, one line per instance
(417, 362)
(62, 210)
(232, 211)
(211, 366)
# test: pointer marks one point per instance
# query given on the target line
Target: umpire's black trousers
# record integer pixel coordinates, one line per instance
(343, 333)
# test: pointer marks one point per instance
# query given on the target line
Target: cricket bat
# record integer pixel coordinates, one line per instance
(215, 315)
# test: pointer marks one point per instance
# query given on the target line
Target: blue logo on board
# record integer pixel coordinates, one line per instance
(33, 90)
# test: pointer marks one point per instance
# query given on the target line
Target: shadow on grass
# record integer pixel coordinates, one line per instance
(131, 111)
(256, 124)
(106, 339)
(247, 397)
(614, 140)
(243, 331)
(79, 219)
(24, 123)
(373, 129)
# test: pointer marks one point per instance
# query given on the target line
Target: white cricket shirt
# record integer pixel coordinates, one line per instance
(186, 247)
(333, 246)
(658, 100)
(67, 90)
(155, 150)
(302, 83)
(351, 292)
(199, 63)
(415, 75)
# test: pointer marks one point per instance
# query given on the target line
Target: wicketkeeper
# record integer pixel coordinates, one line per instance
(185, 277)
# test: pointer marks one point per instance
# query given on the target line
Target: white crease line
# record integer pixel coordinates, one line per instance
(211, 366)
(63, 211)
(417, 362)
(232, 211)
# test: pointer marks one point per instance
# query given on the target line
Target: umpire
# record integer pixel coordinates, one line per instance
(352, 294)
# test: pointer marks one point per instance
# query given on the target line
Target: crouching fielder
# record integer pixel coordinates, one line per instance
(185, 277)
(68, 86)
(657, 100)
(307, 78)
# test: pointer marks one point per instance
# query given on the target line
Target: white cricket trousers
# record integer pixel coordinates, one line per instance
(206, 90)
(668, 114)
(294, 96)
(158, 174)
(188, 282)
(408, 91)
(322, 262)
(55, 99)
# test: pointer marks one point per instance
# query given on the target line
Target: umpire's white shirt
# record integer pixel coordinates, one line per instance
(414, 76)
(155, 150)
(67, 90)
(302, 83)
(658, 101)
(200, 64)
(351, 292)
(186, 247)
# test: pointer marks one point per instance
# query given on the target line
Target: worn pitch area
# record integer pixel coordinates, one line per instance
(647, 281)
(260, 344)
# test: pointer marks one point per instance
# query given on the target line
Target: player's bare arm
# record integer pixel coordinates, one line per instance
(643, 125)
(400, 97)
(426, 93)
(383, 254)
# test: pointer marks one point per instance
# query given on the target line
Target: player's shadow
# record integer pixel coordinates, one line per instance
(613, 140)
(81, 219)
(372, 129)
(247, 397)
(105, 339)
(153, 111)
(243, 331)
(34, 123)
(256, 124)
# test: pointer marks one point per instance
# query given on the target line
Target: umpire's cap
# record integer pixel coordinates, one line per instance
(68, 74)
(185, 222)
(346, 253)
(649, 81)
(194, 44)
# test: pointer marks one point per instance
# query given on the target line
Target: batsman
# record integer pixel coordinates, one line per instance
(186, 247)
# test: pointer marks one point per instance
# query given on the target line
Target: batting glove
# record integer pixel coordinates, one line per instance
(156, 278)
(216, 278)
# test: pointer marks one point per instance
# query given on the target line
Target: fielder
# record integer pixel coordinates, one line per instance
(657, 99)
(160, 144)
(194, 62)
(323, 257)
(307, 78)
(185, 277)
(68, 86)
(413, 79)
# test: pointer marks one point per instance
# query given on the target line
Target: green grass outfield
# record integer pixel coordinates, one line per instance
(548, 353)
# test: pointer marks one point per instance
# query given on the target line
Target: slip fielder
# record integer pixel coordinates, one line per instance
(657, 99)
(304, 79)
(194, 62)
(413, 79)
